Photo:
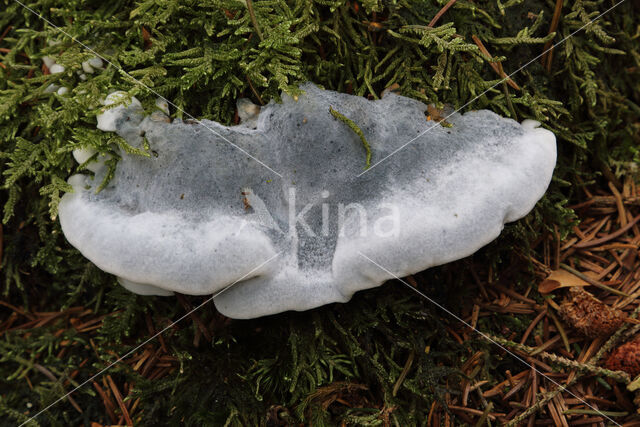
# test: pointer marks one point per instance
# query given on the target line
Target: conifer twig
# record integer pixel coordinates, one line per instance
(619, 376)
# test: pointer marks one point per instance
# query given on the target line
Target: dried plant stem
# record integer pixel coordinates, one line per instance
(254, 20)
(255, 92)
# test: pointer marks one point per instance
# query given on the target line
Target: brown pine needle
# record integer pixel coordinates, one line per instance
(497, 66)
(547, 49)
(592, 281)
(561, 331)
(403, 374)
(441, 12)
(118, 397)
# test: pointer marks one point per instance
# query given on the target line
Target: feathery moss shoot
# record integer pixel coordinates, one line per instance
(354, 127)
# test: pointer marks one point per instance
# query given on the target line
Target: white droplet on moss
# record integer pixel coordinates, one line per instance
(51, 88)
(107, 120)
(95, 62)
(83, 154)
(87, 68)
(56, 69)
(247, 110)
(63, 90)
(162, 105)
(48, 61)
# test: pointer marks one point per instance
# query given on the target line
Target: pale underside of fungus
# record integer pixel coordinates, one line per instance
(200, 214)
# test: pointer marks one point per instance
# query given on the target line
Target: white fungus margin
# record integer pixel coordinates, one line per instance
(198, 214)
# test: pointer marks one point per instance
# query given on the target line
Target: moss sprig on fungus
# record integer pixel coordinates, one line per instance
(203, 56)
(356, 129)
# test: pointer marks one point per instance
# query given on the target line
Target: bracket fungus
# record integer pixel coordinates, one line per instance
(201, 213)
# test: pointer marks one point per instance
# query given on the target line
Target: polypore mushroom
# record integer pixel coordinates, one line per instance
(200, 213)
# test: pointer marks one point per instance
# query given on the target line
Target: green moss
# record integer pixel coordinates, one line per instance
(356, 129)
